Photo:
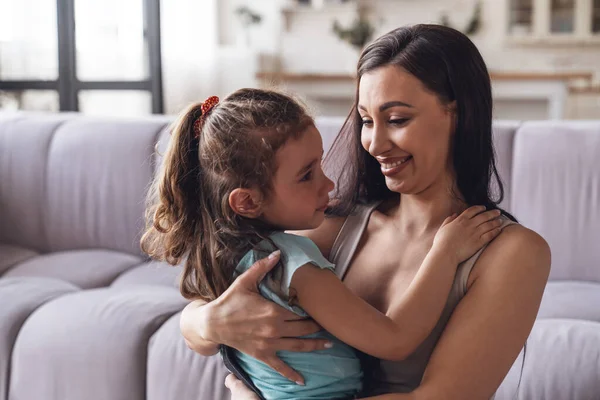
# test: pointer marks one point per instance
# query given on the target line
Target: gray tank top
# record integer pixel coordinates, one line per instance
(404, 376)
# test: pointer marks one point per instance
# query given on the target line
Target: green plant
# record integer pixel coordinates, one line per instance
(247, 16)
(473, 25)
(358, 34)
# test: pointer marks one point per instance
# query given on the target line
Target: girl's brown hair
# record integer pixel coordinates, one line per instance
(188, 214)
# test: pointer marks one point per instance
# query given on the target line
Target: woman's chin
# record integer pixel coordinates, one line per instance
(400, 186)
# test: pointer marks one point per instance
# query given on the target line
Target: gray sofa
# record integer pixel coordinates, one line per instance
(84, 315)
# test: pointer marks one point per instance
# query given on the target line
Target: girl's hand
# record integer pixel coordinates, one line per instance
(241, 318)
(461, 236)
(238, 390)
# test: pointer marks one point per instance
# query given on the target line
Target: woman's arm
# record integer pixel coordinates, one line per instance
(191, 324)
(491, 323)
(241, 318)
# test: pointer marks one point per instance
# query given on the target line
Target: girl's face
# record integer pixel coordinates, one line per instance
(300, 190)
(407, 129)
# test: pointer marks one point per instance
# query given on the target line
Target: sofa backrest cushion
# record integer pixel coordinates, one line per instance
(24, 143)
(97, 177)
(556, 192)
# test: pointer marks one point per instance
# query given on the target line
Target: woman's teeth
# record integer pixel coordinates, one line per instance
(396, 163)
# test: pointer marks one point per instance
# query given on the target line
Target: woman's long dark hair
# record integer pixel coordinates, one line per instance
(449, 65)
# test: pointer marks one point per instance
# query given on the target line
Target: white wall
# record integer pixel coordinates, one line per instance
(326, 53)
(310, 46)
(189, 32)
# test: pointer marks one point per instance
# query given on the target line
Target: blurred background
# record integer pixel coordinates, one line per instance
(136, 57)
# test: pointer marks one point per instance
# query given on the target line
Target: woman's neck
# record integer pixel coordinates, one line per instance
(422, 213)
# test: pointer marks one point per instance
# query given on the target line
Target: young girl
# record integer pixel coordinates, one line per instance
(240, 172)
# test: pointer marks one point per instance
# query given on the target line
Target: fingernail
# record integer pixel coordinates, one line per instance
(274, 254)
(300, 383)
(328, 345)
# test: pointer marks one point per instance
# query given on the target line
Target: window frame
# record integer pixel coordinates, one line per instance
(68, 86)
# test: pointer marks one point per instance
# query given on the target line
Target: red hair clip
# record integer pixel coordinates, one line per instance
(206, 107)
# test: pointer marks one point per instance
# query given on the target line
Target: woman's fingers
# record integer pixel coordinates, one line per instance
(238, 390)
(258, 270)
(231, 381)
(283, 369)
(297, 328)
(301, 345)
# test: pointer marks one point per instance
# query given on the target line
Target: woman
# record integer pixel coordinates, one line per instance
(416, 148)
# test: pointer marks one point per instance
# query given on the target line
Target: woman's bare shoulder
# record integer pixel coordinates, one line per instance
(324, 236)
(517, 250)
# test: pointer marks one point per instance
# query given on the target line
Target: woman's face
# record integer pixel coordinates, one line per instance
(407, 129)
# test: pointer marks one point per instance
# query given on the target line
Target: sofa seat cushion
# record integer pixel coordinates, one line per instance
(150, 273)
(562, 361)
(91, 345)
(176, 372)
(20, 297)
(83, 268)
(11, 255)
(571, 299)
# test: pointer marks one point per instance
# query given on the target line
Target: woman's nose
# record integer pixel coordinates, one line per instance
(378, 141)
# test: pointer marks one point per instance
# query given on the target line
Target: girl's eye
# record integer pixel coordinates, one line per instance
(366, 122)
(306, 177)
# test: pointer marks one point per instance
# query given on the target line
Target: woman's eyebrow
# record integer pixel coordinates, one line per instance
(387, 105)
(391, 104)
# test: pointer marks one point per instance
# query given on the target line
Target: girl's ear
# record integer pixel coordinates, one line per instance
(246, 202)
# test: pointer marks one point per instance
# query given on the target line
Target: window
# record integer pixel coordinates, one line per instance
(521, 17)
(83, 55)
(596, 17)
(554, 21)
(562, 16)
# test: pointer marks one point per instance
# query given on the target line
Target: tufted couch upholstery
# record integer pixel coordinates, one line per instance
(85, 315)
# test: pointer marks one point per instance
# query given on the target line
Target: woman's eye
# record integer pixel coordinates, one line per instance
(367, 122)
(398, 121)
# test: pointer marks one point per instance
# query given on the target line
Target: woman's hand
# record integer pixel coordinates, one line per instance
(238, 390)
(241, 318)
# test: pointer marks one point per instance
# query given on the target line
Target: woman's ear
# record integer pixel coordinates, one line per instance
(452, 110)
(451, 107)
(246, 202)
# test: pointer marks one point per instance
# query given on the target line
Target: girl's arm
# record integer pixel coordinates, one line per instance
(413, 314)
(354, 321)
(491, 323)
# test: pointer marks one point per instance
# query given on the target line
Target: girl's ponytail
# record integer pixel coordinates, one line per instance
(176, 225)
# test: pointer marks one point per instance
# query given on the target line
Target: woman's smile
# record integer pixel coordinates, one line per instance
(392, 166)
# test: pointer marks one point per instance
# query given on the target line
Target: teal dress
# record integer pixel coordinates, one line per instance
(333, 373)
